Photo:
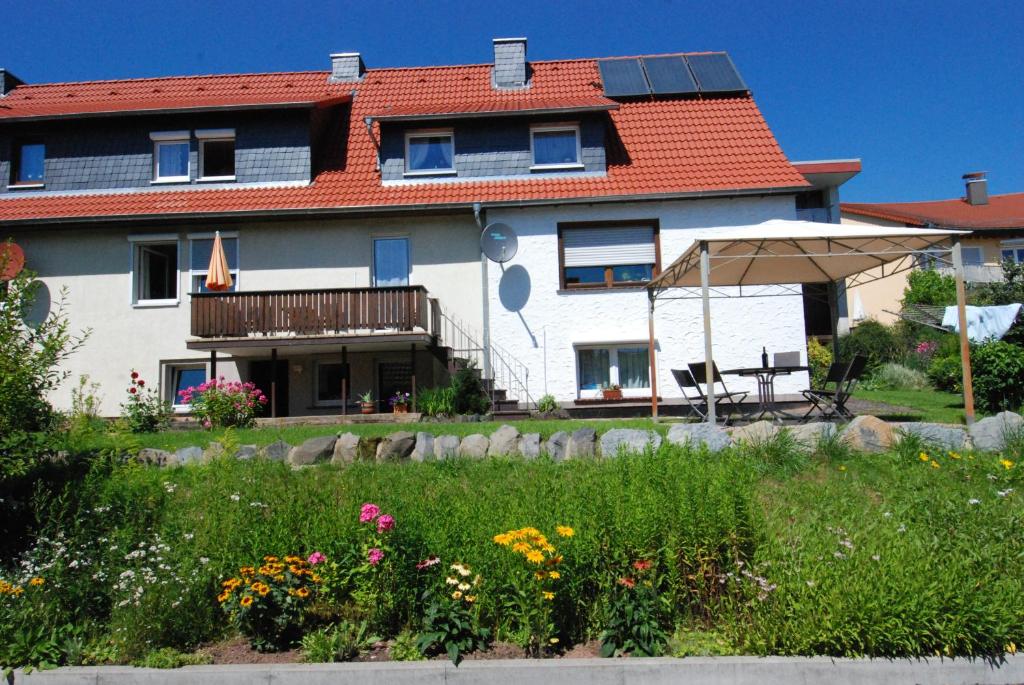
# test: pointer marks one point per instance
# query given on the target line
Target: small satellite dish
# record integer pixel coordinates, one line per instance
(499, 242)
(12, 261)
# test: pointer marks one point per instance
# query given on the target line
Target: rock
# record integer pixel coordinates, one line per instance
(755, 433)
(810, 434)
(582, 444)
(868, 434)
(628, 440)
(312, 451)
(446, 446)
(346, 449)
(396, 446)
(504, 442)
(529, 445)
(424, 449)
(189, 454)
(698, 434)
(367, 449)
(246, 452)
(990, 434)
(556, 444)
(276, 451)
(155, 457)
(213, 451)
(943, 436)
(474, 446)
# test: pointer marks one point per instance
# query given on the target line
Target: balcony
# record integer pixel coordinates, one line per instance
(279, 315)
(977, 273)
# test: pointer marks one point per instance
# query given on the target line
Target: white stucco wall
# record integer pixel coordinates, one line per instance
(563, 319)
(94, 262)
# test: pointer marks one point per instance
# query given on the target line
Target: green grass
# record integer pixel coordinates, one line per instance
(928, 405)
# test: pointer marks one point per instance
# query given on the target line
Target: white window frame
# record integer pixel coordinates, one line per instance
(373, 257)
(1015, 246)
(317, 402)
(170, 371)
(224, 235)
(552, 128)
(430, 133)
(613, 368)
(170, 138)
(135, 242)
(212, 135)
(975, 249)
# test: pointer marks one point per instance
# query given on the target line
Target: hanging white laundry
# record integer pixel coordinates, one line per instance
(983, 323)
(858, 308)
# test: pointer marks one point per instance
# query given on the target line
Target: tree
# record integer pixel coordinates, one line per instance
(1008, 291)
(928, 286)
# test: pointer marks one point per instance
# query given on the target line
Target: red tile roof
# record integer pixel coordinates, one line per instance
(657, 147)
(491, 106)
(1002, 211)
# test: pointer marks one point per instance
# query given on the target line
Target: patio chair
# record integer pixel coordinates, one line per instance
(698, 372)
(786, 359)
(831, 402)
(691, 392)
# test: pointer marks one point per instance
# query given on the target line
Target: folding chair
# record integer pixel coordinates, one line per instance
(786, 359)
(691, 392)
(832, 402)
(698, 371)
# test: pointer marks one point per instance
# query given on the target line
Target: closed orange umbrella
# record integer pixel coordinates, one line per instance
(218, 276)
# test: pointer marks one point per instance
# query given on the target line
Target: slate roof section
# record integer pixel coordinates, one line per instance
(1001, 212)
(656, 147)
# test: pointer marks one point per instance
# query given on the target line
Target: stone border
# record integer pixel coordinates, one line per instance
(692, 670)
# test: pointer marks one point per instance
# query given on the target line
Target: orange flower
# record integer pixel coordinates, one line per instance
(302, 592)
(246, 601)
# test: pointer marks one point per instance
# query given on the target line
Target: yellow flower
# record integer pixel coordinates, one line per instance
(36, 582)
(923, 457)
(549, 595)
(954, 455)
(550, 549)
(223, 597)
(521, 548)
(934, 464)
(1011, 648)
(457, 595)
(269, 558)
(470, 598)
(18, 591)
(295, 569)
(292, 559)
(540, 575)
(247, 570)
(565, 531)
(536, 556)
(503, 539)
(1007, 464)
(302, 592)
(278, 579)
(842, 468)
(554, 575)
(553, 640)
(246, 601)
(263, 591)
(315, 578)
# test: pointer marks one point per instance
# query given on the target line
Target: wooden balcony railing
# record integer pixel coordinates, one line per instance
(309, 312)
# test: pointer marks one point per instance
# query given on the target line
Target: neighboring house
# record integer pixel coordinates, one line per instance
(996, 222)
(351, 204)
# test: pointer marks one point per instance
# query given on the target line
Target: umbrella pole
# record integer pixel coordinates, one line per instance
(965, 348)
(650, 354)
(705, 296)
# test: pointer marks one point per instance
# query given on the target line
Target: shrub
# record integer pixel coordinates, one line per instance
(547, 404)
(220, 403)
(342, 642)
(819, 358)
(897, 377)
(405, 648)
(168, 657)
(946, 373)
(998, 369)
(468, 390)
(85, 407)
(144, 411)
(633, 626)
(874, 341)
(449, 625)
(929, 287)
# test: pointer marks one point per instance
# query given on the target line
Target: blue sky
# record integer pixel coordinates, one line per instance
(920, 91)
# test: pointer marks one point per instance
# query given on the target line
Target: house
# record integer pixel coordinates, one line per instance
(351, 204)
(996, 222)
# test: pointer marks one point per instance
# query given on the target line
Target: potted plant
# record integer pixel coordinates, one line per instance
(366, 403)
(611, 391)
(400, 403)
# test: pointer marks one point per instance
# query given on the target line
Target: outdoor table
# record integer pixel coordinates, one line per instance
(766, 386)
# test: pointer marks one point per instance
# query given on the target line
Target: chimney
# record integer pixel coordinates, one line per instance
(977, 188)
(8, 82)
(510, 69)
(346, 67)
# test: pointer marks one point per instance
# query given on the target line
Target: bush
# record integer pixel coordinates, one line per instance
(897, 377)
(468, 390)
(946, 373)
(819, 358)
(876, 342)
(929, 287)
(997, 368)
(547, 404)
(219, 403)
(144, 411)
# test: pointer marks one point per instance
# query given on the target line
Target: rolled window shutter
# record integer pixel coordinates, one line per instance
(608, 246)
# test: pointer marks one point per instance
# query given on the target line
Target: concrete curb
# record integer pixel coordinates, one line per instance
(693, 671)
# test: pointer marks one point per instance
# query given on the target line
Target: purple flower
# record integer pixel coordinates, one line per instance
(316, 558)
(374, 556)
(368, 513)
(385, 523)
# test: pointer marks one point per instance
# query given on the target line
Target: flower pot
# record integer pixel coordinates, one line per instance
(401, 408)
(368, 407)
(611, 394)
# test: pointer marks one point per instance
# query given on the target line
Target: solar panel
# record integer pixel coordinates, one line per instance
(623, 77)
(715, 73)
(669, 75)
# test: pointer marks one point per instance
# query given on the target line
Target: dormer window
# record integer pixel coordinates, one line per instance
(170, 156)
(555, 148)
(429, 153)
(29, 160)
(216, 154)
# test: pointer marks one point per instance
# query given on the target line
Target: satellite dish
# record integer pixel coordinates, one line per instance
(499, 242)
(12, 261)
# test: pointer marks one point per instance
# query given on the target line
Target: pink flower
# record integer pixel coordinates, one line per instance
(368, 513)
(207, 424)
(374, 556)
(263, 399)
(316, 558)
(385, 523)
(432, 560)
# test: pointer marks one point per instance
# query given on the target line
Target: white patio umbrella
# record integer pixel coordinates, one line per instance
(782, 252)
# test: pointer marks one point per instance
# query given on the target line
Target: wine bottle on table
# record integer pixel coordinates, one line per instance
(764, 357)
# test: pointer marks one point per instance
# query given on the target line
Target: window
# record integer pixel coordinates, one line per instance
(390, 262)
(329, 376)
(611, 254)
(555, 147)
(972, 256)
(200, 249)
(1012, 252)
(155, 270)
(429, 152)
(170, 156)
(216, 154)
(182, 377)
(28, 162)
(625, 365)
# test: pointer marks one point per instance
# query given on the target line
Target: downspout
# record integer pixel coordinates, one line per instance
(369, 131)
(480, 216)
